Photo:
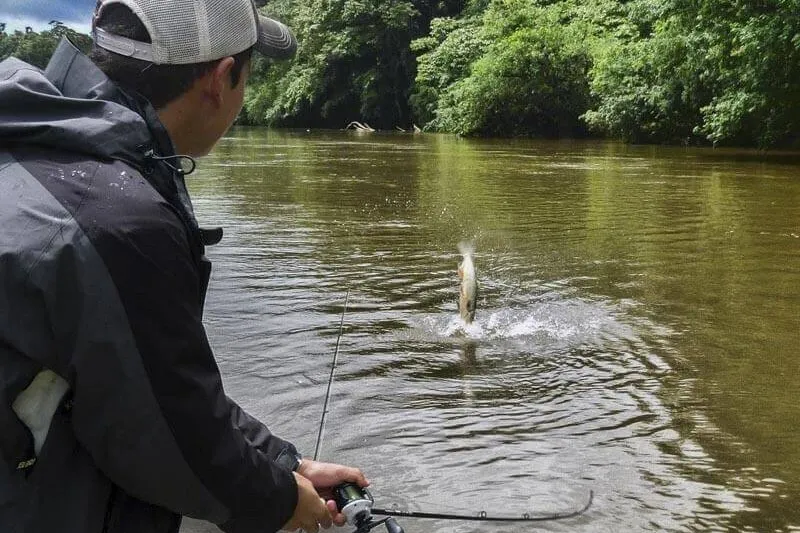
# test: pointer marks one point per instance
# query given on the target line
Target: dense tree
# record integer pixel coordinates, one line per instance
(647, 90)
(37, 47)
(354, 63)
(755, 72)
(657, 71)
(446, 56)
(717, 71)
(529, 75)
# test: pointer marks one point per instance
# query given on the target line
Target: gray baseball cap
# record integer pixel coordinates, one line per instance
(196, 31)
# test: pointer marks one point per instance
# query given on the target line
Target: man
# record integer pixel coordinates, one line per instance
(113, 416)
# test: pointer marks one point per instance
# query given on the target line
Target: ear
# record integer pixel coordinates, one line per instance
(219, 80)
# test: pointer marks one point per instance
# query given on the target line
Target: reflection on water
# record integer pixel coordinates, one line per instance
(636, 330)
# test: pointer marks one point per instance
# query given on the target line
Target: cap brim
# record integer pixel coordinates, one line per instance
(275, 39)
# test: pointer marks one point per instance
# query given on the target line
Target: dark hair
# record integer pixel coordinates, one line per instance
(160, 84)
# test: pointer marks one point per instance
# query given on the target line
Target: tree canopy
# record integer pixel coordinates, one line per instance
(658, 71)
(722, 72)
(37, 47)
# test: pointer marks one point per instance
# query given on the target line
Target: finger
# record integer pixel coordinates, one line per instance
(324, 517)
(354, 475)
(338, 518)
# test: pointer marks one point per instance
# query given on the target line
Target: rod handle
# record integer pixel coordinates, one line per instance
(392, 526)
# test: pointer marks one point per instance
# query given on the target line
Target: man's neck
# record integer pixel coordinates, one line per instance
(179, 122)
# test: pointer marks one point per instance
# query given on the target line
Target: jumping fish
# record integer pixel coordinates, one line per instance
(468, 293)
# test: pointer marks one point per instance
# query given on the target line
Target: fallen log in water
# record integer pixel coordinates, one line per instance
(359, 126)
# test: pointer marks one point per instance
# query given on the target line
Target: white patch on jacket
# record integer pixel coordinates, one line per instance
(36, 405)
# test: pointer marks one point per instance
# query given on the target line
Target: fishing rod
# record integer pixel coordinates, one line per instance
(482, 516)
(330, 378)
(356, 503)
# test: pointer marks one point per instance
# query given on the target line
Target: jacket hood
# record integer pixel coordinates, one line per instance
(72, 105)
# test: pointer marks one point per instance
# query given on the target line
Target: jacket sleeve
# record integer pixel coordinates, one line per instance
(148, 400)
(257, 434)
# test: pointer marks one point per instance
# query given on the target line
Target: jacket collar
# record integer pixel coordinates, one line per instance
(74, 106)
(77, 77)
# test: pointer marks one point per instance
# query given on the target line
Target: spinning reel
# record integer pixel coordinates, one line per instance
(355, 504)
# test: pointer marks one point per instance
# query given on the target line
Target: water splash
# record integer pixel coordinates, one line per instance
(570, 321)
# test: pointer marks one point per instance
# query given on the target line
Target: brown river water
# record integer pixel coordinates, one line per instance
(637, 332)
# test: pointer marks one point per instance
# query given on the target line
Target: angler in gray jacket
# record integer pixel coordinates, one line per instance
(113, 416)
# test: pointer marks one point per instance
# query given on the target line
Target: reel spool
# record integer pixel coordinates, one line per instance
(355, 504)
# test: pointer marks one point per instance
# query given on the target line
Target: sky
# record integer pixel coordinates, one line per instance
(37, 14)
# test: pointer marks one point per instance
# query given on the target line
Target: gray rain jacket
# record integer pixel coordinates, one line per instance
(102, 283)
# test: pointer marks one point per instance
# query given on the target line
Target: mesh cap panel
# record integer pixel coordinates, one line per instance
(195, 31)
(232, 30)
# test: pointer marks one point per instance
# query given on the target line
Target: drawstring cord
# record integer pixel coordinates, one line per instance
(150, 154)
(207, 236)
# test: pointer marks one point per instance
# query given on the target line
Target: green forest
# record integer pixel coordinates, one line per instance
(37, 47)
(716, 72)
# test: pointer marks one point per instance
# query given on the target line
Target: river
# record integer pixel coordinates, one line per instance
(637, 332)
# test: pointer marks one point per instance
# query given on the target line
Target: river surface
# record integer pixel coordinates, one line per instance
(637, 332)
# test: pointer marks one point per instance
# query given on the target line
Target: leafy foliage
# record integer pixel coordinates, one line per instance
(711, 71)
(446, 56)
(647, 89)
(532, 81)
(354, 63)
(756, 80)
(677, 71)
(519, 69)
(37, 47)
(721, 72)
